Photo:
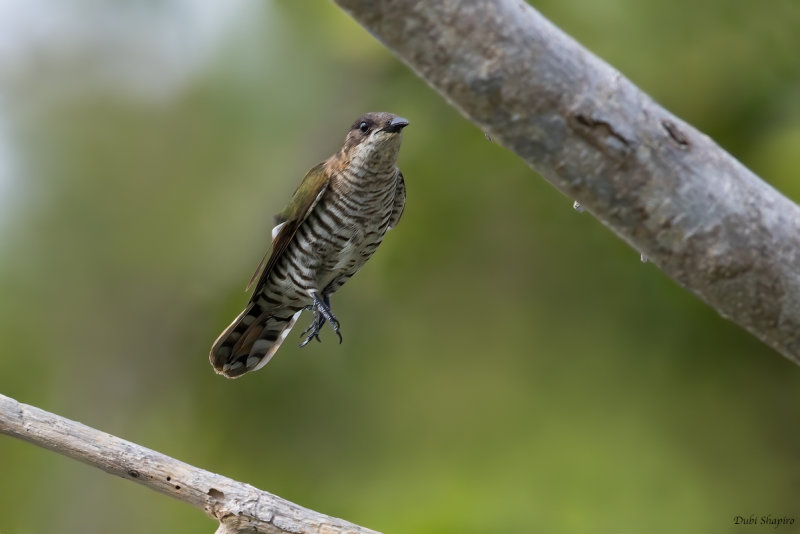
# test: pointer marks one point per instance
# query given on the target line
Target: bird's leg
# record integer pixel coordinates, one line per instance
(327, 314)
(322, 313)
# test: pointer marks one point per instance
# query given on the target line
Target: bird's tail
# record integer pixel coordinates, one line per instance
(249, 342)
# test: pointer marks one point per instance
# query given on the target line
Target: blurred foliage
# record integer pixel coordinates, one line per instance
(508, 364)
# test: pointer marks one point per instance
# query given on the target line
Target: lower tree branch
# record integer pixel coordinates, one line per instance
(239, 507)
(661, 185)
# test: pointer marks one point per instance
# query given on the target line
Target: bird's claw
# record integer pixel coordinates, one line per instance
(322, 314)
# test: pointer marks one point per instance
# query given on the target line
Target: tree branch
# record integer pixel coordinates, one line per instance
(239, 507)
(661, 185)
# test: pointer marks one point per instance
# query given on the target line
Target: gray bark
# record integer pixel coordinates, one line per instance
(664, 187)
(239, 507)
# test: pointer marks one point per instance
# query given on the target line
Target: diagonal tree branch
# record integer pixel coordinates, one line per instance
(239, 507)
(661, 185)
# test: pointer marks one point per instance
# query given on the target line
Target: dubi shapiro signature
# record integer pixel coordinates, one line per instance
(763, 520)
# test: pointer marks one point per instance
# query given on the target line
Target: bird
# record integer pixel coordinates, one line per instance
(333, 224)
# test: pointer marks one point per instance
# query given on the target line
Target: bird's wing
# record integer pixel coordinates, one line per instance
(289, 220)
(399, 201)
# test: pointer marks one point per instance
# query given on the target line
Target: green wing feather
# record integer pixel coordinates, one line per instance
(303, 201)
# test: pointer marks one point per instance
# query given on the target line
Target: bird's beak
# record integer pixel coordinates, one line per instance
(396, 124)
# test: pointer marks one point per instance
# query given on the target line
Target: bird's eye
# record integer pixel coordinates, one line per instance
(364, 127)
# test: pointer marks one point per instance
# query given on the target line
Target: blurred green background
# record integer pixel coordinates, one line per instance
(508, 364)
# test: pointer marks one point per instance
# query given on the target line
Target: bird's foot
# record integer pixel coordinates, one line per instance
(322, 314)
(313, 328)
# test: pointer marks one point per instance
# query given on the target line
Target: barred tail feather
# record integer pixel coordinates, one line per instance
(249, 342)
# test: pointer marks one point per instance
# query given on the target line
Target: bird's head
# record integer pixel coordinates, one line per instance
(374, 140)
